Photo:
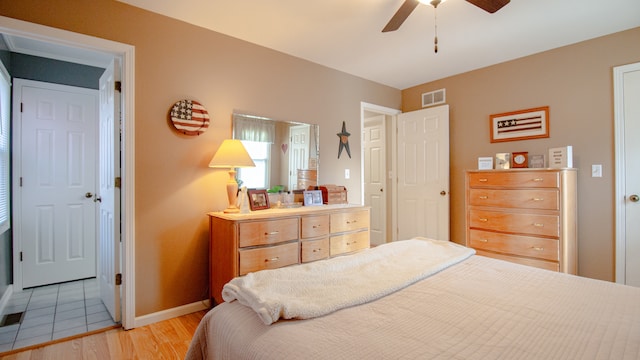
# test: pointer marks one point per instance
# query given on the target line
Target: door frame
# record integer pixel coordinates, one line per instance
(620, 173)
(126, 53)
(391, 143)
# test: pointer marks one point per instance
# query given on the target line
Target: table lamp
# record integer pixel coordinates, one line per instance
(231, 155)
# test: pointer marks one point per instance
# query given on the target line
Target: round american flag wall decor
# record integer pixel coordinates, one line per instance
(189, 117)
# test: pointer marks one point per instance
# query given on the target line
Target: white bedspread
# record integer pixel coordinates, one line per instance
(319, 288)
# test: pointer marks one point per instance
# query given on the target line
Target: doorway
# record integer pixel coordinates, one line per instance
(627, 192)
(79, 42)
(378, 169)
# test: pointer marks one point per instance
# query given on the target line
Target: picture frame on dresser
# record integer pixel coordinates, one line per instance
(258, 199)
(312, 197)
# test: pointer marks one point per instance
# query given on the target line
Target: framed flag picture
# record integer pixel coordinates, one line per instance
(520, 125)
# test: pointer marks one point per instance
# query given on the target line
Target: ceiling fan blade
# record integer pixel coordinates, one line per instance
(490, 6)
(401, 15)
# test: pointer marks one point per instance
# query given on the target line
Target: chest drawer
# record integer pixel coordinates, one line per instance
(536, 247)
(521, 223)
(270, 257)
(347, 243)
(347, 221)
(268, 232)
(313, 250)
(516, 198)
(514, 179)
(314, 226)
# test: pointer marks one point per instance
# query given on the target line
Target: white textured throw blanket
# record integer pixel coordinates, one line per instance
(319, 288)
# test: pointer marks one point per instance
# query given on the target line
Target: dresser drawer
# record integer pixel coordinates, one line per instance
(515, 179)
(349, 242)
(524, 199)
(314, 226)
(313, 250)
(349, 220)
(535, 247)
(268, 232)
(270, 257)
(542, 264)
(519, 223)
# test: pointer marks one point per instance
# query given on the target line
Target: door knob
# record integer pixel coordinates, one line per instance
(634, 198)
(443, 193)
(381, 190)
(88, 195)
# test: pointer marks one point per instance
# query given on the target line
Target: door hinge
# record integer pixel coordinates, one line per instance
(118, 279)
(20, 181)
(21, 106)
(117, 182)
(118, 86)
(20, 255)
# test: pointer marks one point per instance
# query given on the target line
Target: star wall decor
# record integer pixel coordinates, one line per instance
(344, 141)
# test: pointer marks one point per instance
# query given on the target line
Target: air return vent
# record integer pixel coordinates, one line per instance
(432, 98)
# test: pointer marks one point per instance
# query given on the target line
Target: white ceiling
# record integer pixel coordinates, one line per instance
(346, 34)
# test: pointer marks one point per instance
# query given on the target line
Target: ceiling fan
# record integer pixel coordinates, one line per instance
(407, 7)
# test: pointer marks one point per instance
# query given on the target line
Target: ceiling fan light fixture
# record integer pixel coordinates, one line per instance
(433, 3)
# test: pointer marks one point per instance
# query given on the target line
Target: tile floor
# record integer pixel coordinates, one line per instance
(53, 312)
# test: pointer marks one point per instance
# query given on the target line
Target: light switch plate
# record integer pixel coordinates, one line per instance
(347, 173)
(596, 170)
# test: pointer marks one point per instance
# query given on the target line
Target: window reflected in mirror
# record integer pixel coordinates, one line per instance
(286, 153)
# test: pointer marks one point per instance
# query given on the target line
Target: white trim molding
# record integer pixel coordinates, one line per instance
(171, 313)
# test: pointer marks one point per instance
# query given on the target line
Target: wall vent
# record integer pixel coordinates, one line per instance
(432, 98)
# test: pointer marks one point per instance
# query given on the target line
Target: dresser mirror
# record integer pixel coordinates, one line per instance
(286, 153)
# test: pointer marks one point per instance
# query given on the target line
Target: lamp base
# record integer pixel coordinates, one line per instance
(232, 193)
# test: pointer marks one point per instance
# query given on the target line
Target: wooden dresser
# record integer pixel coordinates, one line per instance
(527, 216)
(269, 239)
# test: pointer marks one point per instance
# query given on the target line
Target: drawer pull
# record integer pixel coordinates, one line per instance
(538, 199)
(483, 197)
(483, 240)
(316, 226)
(483, 219)
(352, 221)
(275, 259)
(538, 225)
(537, 248)
(483, 180)
(354, 242)
(317, 250)
(271, 233)
(538, 179)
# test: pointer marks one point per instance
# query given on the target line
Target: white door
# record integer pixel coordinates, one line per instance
(423, 173)
(627, 95)
(298, 153)
(57, 164)
(375, 169)
(109, 193)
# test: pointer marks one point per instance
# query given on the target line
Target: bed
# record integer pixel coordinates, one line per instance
(464, 306)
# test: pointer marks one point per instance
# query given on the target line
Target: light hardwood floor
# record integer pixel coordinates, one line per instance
(167, 339)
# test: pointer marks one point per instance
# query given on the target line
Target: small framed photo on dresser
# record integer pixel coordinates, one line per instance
(536, 161)
(258, 199)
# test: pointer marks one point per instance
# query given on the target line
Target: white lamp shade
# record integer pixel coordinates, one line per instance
(231, 154)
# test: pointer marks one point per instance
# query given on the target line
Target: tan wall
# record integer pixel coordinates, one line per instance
(174, 187)
(576, 83)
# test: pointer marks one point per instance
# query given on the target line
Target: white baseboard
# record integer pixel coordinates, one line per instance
(171, 313)
(5, 298)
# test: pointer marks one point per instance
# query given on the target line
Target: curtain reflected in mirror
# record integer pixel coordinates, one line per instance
(286, 153)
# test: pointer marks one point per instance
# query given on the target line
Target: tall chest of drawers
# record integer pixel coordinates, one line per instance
(527, 216)
(269, 239)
